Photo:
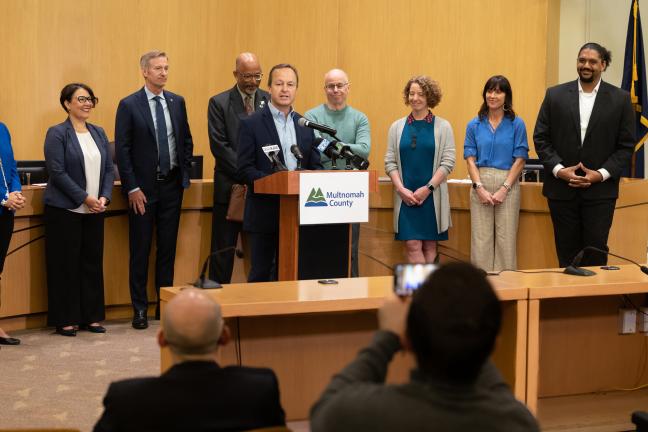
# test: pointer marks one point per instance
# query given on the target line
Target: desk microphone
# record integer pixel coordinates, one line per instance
(277, 165)
(294, 149)
(203, 281)
(573, 268)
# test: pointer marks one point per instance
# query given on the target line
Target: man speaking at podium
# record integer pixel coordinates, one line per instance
(266, 144)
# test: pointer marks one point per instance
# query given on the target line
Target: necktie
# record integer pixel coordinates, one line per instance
(249, 109)
(163, 139)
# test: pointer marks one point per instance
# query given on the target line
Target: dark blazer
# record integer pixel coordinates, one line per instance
(258, 130)
(66, 187)
(136, 145)
(609, 140)
(224, 115)
(194, 396)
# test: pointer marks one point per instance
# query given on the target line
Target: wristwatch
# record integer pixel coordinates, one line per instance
(477, 185)
(3, 202)
(507, 186)
(431, 187)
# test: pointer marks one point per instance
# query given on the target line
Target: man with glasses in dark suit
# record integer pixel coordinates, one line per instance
(224, 114)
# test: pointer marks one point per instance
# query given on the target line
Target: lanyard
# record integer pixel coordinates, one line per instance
(4, 179)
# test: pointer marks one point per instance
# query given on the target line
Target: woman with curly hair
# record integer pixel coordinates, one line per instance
(420, 155)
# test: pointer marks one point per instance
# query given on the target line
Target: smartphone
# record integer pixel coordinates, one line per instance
(409, 277)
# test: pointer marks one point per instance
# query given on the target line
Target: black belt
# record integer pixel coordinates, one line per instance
(169, 176)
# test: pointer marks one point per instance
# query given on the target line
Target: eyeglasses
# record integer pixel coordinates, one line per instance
(334, 86)
(247, 77)
(84, 99)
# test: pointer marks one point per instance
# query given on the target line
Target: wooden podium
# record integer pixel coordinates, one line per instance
(286, 185)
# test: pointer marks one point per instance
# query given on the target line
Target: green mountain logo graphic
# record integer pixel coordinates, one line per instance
(316, 199)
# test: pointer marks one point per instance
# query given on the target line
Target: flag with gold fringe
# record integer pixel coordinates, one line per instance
(634, 81)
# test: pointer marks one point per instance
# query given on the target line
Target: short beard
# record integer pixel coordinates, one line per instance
(586, 80)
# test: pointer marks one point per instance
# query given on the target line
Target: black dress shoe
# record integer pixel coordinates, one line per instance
(9, 341)
(64, 332)
(93, 328)
(140, 322)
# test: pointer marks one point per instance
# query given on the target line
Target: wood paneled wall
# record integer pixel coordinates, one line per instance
(380, 43)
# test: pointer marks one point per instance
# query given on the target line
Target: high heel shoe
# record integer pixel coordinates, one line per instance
(9, 341)
(97, 328)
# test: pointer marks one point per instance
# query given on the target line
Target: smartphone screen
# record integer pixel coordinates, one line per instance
(409, 277)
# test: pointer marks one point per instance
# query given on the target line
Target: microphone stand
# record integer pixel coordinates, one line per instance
(573, 269)
(203, 281)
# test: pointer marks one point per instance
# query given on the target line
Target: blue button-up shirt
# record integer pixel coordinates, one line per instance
(167, 117)
(286, 130)
(496, 148)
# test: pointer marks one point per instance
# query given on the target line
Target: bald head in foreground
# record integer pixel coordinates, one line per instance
(195, 394)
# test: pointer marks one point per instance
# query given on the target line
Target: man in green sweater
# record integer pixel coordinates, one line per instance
(352, 129)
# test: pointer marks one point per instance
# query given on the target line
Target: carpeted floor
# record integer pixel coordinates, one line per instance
(55, 381)
(59, 382)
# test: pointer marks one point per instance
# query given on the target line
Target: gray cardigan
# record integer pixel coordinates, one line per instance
(444, 159)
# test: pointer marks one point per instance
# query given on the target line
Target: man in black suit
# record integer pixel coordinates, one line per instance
(224, 114)
(154, 150)
(195, 394)
(584, 136)
(272, 130)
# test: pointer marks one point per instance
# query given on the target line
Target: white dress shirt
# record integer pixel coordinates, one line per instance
(585, 107)
(92, 166)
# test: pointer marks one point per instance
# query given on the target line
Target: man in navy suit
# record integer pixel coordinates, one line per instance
(224, 116)
(154, 150)
(584, 136)
(273, 129)
(195, 394)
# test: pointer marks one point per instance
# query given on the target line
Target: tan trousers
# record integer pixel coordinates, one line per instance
(494, 228)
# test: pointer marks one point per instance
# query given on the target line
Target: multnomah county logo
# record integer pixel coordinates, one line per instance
(316, 199)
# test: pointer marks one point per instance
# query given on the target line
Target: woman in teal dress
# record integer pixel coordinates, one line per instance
(420, 156)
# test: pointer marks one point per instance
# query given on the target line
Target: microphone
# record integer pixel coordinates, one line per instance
(294, 149)
(320, 127)
(358, 162)
(579, 256)
(573, 268)
(203, 281)
(336, 149)
(276, 162)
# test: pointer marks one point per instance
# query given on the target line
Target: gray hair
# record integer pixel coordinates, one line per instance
(147, 57)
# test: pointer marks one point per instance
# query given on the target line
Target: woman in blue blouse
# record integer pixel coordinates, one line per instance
(12, 200)
(495, 150)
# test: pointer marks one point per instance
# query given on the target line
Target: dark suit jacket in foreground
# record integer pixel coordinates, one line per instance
(194, 396)
(136, 145)
(609, 140)
(224, 116)
(66, 187)
(257, 131)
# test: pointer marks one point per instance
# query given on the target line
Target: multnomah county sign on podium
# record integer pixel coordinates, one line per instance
(333, 197)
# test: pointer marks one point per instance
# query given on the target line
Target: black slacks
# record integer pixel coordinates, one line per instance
(264, 256)
(578, 223)
(163, 215)
(6, 229)
(74, 245)
(224, 234)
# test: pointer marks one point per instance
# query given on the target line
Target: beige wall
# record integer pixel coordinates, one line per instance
(381, 43)
(602, 21)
